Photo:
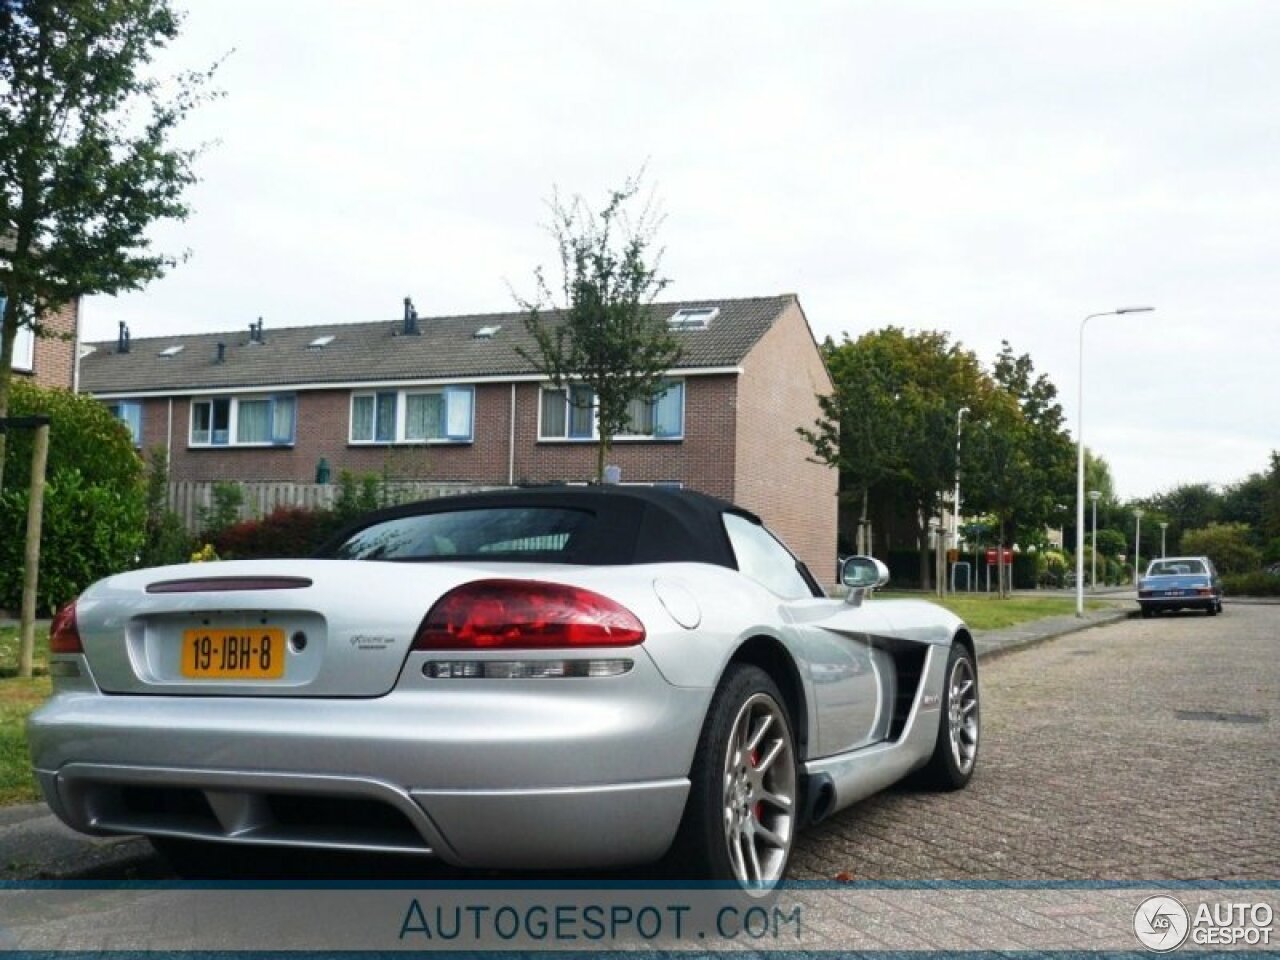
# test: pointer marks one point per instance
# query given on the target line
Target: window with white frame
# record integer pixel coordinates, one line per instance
(570, 414)
(129, 412)
(567, 413)
(435, 415)
(244, 421)
(24, 347)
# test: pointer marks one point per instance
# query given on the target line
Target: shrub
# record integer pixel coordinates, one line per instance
(228, 498)
(94, 504)
(1255, 584)
(1226, 544)
(357, 495)
(1026, 570)
(167, 540)
(90, 530)
(285, 532)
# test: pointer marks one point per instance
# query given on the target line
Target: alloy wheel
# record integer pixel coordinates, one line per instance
(759, 793)
(962, 714)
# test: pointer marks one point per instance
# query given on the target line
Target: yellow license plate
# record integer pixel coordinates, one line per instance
(248, 654)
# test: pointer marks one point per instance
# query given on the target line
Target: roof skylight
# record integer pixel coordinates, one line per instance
(320, 343)
(692, 318)
(487, 333)
(173, 351)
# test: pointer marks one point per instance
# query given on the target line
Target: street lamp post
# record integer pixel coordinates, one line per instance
(1137, 543)
(1164, 526)
(1080, 455)
(1095, 496)
(955, 502)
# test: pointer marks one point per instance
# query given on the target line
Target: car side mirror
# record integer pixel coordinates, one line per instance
(861, 574)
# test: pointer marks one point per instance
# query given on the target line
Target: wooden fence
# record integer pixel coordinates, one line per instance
(190, 499)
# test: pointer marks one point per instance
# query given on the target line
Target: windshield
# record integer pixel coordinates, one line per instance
(509, 533)
(1171, 568)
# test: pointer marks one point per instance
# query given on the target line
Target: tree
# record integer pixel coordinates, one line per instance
(603, 336)
(1226, 544)
(890, 425)
(1019, 460)
(86, 159)
(1190, 506)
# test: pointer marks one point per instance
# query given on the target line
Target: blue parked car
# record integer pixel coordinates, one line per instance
(1177, 583)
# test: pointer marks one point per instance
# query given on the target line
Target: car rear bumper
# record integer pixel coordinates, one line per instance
(1178, 603)
(481, 773)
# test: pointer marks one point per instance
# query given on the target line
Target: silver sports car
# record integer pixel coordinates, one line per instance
(541, 678)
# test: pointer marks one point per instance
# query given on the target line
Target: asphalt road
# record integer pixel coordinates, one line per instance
(1143, 750)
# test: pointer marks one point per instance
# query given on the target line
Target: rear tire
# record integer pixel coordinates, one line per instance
(955, 754)
(744, 804)
(1213, 609)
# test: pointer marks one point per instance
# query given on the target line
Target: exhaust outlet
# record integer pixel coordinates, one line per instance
(820, 797)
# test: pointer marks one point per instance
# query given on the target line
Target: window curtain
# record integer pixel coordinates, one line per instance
(283, 412)
(253, 421)
(581, 412)
(459, 401)
(668, 412)
(385, 431)
(362, 419)
(553, 413)
(422, 416)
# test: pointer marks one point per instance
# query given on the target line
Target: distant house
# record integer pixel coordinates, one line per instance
(451, 399)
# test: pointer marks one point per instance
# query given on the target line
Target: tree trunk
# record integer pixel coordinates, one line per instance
(1000, 564)
(8, 334)
(862, 548)
(602, 454)
(922, 537)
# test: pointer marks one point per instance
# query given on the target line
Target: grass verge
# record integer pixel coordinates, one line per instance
(991, 613)
(18, 697)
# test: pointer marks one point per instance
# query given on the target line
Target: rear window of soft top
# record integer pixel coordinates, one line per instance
(497, 533)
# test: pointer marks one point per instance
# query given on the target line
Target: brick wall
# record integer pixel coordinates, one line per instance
(702, 461)
(781, 379)
(54, 360)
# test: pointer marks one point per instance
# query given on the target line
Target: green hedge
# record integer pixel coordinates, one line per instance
(94, 505)
(1256, 584)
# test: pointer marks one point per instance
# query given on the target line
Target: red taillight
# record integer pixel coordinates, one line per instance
(64, 635)
(526, 615)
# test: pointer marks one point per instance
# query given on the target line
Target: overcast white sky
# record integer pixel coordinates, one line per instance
(996, 170)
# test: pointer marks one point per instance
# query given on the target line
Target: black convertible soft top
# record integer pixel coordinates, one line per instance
(629, 524)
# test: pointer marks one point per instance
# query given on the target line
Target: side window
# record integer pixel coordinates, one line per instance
(762, 558)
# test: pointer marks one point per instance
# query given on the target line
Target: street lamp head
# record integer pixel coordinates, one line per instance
(1095, 495)
(1135, 310)
(1139, 512)
(1164, 526)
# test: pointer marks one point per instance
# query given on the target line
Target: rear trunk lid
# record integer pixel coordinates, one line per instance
(301, 628)
(1174, 585)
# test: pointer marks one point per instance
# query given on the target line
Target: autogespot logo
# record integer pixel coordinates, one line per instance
(1161, 923)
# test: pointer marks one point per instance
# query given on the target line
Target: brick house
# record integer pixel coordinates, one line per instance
(451, 399)
(49, 361)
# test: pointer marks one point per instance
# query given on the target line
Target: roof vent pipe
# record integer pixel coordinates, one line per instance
(122, 341)
(255, 332)
(222, 353)
(410, 318)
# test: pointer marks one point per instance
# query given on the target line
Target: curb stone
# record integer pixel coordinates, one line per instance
(995, 643)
